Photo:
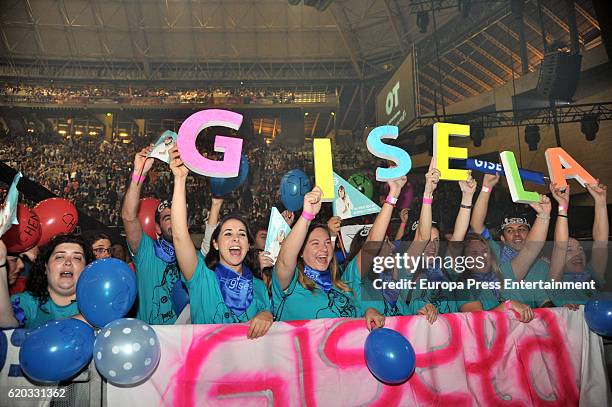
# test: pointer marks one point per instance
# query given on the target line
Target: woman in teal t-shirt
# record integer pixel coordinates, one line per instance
(225, 287)
(485, 271)
(568, 261)
(306, 282)
(50, 289)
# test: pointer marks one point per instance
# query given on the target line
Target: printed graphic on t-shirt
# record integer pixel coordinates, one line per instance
(162, 310)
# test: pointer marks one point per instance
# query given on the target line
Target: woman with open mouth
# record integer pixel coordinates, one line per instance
(568, 260)
(306, 282)
(225, 287)
(51, 288)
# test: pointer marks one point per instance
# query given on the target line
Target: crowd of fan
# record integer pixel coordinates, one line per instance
(136, 95)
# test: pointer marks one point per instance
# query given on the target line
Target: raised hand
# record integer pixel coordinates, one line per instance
(142, 163)
(468, 187)
(396, 185)
(312, 201)
(431, 179)
(333, 224)
(543, 207)
(289, 217)
(598, 192)
(490, 180)
(404, 214)
(177, 166)
(562, 196)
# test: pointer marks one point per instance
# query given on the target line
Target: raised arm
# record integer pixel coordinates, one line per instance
(479, 214)
(183, 245)
(423, 232)
(7, 317)
(557, 260)
(211, 224)
(535, 239)
(599, 254)
(290, 249)
(131, 201)
(468, 188)
(404, 215)
(379, 228)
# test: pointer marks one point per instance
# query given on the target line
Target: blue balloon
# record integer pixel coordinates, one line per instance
(57, 350)
(223, 186)
(106, 291)
(598, 314)
(389, 356)
(293, 186)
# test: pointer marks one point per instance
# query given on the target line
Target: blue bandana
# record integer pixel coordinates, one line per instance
(236, 289)
(507, 254)
(164, 250)
(390, 295)
(434, 274)
(321, 278)
(488, 277)
(583, 277)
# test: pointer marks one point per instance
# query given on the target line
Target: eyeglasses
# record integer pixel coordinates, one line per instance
(101, 250)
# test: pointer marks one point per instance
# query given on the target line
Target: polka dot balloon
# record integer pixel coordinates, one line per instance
(126, 351)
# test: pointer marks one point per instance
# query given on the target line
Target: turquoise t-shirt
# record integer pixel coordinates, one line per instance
(297, 303)
(207, 305)
(533, 297)
(31, 315)
(156, 280)
(444, 300)
(562, 297)
(369, 297)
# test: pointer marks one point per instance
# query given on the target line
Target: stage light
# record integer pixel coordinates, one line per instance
(477, 134)
(62, 132)
(589, 126)
(123, 134)
(93, 133)
(78, 132)
(109, 114)
(532, 137)
(333, 113)
(305, 114)
(422, 21)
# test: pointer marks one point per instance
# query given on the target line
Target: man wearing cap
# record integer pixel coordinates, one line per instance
(161, 293)
(522, 242)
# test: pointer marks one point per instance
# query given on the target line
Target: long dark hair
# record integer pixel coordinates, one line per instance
(37, 284)
(212, 258)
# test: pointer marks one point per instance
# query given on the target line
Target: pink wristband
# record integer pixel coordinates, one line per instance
(137, 178)
(562, 208)
(391, 200)
(485, 189)
(308, 216)
(427, 201)
(403, 224)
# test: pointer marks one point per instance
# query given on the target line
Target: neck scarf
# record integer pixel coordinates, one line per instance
(236, 289)
(585, 276)
(488, 277)
(434, 274)
(390, 295)
(164, 250)
(321, 278)
(507, 254)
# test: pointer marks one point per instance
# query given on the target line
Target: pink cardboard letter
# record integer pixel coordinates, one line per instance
(230, 146)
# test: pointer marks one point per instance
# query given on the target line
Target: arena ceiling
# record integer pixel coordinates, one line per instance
(272, 41)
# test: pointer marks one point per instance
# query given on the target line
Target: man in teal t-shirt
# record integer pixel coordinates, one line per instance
(161, 293)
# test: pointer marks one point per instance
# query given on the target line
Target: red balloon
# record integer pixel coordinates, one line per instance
(22, 237)
(57, 216)
(146, 216)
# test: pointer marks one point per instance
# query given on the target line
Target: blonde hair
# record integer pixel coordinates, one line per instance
(476, 237)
